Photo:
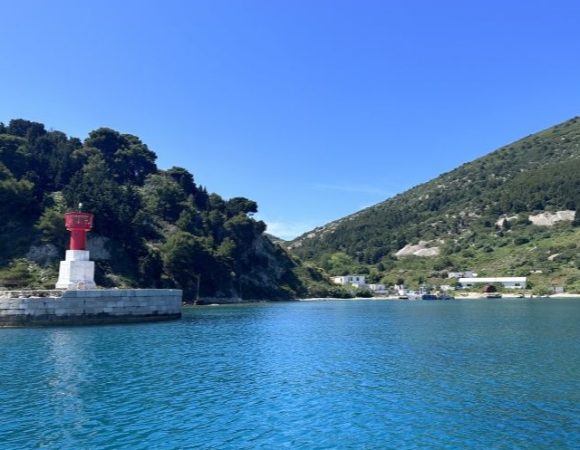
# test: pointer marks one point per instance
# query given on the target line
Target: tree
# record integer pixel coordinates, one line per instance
(184, 178)
(227, 251)
(114, 206)
(106, 140)
(16, 274)
(16, 196)
(188, 261)
(12, 155)
(51, 224)
(202, 199)
(241, 229)
(151, 268)
(163, 229)
(163, 197)
(26, 128)
(240, 205)
(340, 263)
(134, 163)
(217, 203)
(189, 220)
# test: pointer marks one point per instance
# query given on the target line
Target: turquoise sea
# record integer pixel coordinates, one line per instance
(470, 374)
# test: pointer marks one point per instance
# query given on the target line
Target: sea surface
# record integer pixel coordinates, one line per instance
(469, 374)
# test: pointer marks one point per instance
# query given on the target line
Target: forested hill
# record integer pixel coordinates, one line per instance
(153, 228)
(456, 220)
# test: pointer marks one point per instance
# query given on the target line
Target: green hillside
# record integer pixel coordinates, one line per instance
(457, 219)
(153, 227)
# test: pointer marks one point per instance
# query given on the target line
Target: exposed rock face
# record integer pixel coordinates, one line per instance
(421, 249)
(43, 254)
(99, 247)
(547, 219)
(279, 280)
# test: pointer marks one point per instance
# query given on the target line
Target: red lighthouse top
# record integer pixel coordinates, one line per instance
(78, 223)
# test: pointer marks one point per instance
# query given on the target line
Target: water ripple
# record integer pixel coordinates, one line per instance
(327, 375)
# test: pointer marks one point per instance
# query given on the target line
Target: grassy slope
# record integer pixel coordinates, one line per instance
(458, 211)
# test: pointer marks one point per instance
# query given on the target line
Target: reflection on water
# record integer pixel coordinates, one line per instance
(68, 361)
(466, 374)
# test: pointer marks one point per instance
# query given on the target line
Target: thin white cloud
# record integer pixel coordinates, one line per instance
(354, 189)
(288, 231)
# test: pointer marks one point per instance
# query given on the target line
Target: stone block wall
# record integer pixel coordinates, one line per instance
(83, 307)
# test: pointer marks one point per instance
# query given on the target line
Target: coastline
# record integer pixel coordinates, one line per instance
(474, 295)
(464, 296)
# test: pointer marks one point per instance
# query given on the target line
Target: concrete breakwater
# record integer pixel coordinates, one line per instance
(86, 307)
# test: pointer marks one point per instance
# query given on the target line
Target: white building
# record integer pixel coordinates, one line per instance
(350, 280)
(379, 288)
(507, 282)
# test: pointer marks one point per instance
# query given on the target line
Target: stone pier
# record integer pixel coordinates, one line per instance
(87, 307)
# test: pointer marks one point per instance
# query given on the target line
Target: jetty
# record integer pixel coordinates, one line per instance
(77, 300)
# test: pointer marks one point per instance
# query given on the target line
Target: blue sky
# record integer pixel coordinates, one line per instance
(315, 109)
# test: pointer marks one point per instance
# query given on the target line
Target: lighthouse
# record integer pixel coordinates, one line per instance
(77, 271)
(77, 301)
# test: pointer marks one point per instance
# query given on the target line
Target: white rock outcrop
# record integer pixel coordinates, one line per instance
(547, 219)
(422, 249)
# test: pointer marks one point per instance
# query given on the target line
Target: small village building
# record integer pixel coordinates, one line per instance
(378, 288)
(506, 282)
(357, 281)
